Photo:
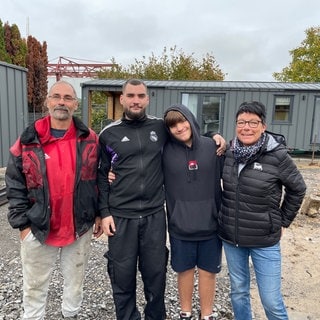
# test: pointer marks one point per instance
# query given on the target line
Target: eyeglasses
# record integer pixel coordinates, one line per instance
(251, 123)
(57, 97)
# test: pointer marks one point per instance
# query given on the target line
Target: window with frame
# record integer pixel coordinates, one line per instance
(282, 109)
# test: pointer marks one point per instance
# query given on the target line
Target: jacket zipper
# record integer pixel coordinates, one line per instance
(76, 181)
(141, 165)
(236, 218)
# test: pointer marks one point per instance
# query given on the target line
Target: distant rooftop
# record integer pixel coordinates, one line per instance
(212, 84)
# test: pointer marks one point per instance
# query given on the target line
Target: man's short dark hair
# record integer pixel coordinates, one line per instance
(134, 82)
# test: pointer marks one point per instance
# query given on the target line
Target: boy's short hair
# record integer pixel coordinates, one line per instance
(173, 117)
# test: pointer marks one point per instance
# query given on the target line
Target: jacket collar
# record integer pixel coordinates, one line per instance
(30, 134)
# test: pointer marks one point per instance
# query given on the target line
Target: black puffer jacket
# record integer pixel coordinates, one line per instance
(252, 212)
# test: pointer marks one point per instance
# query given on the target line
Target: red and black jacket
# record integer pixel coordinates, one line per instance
(27, 185)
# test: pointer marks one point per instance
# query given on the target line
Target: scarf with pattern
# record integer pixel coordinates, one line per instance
(242, 154)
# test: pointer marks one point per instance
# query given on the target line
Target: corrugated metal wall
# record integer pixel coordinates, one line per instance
(298, 131)
(13, 107)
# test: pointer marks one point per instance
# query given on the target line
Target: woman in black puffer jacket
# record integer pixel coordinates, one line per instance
(262, 193)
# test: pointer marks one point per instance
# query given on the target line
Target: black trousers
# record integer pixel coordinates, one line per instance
(138, 242)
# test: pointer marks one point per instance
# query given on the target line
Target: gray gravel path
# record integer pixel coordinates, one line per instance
(98, 303)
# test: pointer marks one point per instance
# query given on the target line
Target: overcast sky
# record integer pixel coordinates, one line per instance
(250, 39)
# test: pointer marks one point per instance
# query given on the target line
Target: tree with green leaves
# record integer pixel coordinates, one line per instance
(4, 55)
(15, 46)
(18, 47)
(305, 64)
(173, 64)
(30, 54)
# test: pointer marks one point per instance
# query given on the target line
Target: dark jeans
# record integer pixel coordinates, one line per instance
(138, 241)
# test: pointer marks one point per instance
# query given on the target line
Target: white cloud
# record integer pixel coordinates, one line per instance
(250, 39)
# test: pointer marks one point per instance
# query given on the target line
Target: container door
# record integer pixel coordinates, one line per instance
(211, 114)
(315, 137)
(207, 109)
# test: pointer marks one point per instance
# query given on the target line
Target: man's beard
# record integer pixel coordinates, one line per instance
(64, 114)
(134, 115)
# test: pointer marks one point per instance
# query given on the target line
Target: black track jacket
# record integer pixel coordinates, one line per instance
(132, 149)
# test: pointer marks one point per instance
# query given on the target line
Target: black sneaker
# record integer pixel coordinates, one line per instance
(70, 318)
(185, 316)
(210, 317)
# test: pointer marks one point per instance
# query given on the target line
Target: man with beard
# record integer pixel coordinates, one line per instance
(132, 207)
(53, 200)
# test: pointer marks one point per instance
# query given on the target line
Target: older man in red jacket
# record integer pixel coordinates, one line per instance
(52, 193)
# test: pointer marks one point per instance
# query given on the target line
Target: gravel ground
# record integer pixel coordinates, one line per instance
(98, 303)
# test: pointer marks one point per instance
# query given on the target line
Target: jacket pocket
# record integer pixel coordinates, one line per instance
(38, 215)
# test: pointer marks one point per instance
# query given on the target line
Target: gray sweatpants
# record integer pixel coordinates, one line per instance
(38, 261)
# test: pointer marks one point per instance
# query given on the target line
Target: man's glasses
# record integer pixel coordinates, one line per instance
(57, 97)
(251, 123)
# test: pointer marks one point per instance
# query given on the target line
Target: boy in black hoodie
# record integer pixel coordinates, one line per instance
(192, 173)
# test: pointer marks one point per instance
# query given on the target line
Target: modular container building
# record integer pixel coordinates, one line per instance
(13, 106)
(293, 109)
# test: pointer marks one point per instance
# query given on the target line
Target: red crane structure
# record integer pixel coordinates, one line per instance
(71, 68)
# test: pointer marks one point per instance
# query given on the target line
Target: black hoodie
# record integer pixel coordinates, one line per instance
(192, 183)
